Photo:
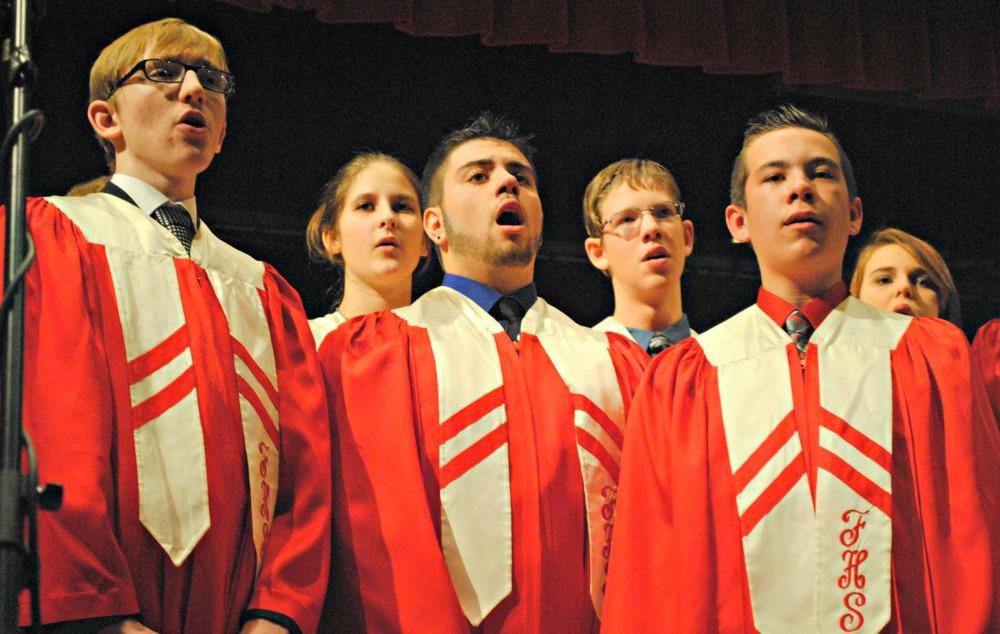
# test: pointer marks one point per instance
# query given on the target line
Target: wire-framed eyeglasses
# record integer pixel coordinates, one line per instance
(625, 224)
(172, 71)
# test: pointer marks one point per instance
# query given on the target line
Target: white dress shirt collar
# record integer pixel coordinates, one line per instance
(148, 198)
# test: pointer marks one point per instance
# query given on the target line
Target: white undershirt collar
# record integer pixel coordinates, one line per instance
(148, 198)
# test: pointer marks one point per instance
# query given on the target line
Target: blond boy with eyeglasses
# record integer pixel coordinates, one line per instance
(170, 380)
(637, 236)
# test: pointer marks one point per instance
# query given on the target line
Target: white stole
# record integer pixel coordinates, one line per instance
(822, 568)
(166, 420)
(474, 461)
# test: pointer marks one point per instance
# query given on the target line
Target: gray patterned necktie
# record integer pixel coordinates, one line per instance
(177, 221)
(799, 329)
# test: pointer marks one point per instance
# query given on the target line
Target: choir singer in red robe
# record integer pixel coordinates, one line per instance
(812, 464)
(171, 384)
(478, 430)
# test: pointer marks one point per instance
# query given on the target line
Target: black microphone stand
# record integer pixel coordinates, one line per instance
(20, 496)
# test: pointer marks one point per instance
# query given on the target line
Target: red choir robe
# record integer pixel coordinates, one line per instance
(856, 493)
(389, 379)
(204, 368)
(986, 355)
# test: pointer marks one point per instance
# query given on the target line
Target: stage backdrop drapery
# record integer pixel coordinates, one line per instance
(932, 49)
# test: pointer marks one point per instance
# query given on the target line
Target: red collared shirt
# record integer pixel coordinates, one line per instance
(816, 309)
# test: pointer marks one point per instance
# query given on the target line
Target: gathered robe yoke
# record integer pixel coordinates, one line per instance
(388, 375)
(201, 369)
(856, 493)
(324, 325)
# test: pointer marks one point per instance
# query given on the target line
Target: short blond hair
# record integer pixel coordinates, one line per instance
(925, 255)
(634, 172)
(167, 37)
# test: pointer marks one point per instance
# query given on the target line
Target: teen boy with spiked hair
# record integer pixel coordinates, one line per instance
(170, 380)
(812, 463)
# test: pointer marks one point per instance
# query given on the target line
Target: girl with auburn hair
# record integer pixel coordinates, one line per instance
(369, 228)
(901, 273)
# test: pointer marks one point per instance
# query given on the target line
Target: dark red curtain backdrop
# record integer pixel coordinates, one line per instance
(932, 49)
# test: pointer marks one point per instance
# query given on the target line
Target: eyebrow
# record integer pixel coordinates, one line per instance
(181, 56)
(819, 160)
(665, 203)
(892, 269)
(476, 163)
(824, 161)
(883, 269)
(513, 166)
(371, 194)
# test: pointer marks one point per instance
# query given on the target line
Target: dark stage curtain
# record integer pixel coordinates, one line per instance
(944, 49)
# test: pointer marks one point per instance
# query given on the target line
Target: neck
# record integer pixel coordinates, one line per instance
(361, 299)
(654, 314)
(799, 292)
(171, 187)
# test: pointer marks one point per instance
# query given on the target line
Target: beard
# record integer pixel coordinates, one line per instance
(481, 248)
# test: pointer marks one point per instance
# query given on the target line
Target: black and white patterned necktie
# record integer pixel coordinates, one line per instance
(177, 221)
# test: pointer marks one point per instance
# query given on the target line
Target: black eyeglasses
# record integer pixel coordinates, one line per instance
(625, 224)
(171, 71)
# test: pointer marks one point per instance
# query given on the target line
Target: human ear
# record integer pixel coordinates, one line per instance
(331, 242)
(857, 216)
(688, 237)
(738, 223)
(104, 120)
(222, 136)
(434, 227)
(595, 253)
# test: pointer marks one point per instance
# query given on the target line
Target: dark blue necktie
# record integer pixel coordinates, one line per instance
(508, 311)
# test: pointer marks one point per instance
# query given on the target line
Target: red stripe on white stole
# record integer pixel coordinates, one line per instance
(158, 404)
(479, 451)
(610, 427)
(763, 454)
(246, 391)
(160, 355)
(597, 450)
(872, 493)
(871, 449)
(243, 303)
(776, 491)
(474, 466)
(463, 451)
(166, 419)
(471, 413)
(263, 380)
(581, 357)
